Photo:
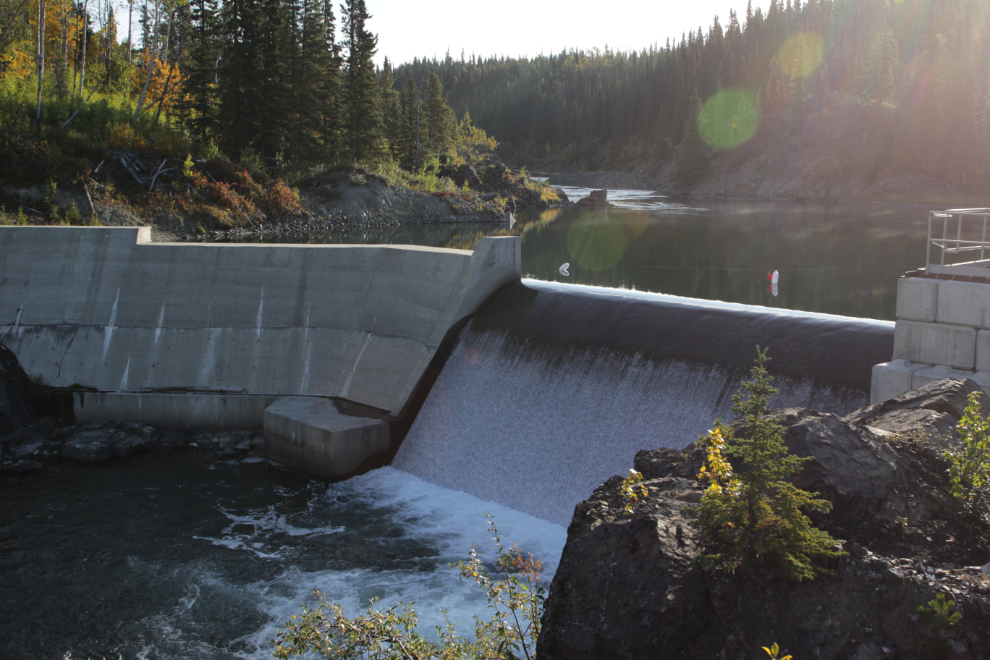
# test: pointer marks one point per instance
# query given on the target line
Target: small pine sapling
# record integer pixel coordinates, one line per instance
(938, 617)
(754, 514)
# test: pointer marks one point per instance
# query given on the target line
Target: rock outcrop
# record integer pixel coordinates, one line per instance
(596, 198)
(630, 586)
(16, 408)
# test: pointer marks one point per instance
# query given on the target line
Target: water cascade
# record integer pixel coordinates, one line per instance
(552, 388)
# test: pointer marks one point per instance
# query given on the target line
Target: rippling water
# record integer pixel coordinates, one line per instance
(181, 556)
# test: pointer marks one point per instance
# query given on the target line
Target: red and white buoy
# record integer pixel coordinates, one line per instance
(773, 277)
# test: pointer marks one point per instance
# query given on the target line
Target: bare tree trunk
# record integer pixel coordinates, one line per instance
(171, 69)
(130, 22)
(41, 59)
(85, 37)
(150, 66)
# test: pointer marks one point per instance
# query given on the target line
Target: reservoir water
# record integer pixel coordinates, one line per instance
(833, 258)
(550, 389)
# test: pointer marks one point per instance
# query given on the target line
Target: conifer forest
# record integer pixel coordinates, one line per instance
(870, 88)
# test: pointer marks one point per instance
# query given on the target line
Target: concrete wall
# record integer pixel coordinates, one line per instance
(942, 331)
(104, 308)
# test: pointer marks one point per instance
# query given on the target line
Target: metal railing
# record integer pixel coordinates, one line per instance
(957, 245)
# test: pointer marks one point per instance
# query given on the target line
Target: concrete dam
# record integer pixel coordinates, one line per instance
(550, 387)
(212, 335)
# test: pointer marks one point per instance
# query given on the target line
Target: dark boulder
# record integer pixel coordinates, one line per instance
(16, 409)
(596, 198)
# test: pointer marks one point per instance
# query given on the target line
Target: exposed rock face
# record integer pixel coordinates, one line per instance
(629, 586)
(596, 198)
(16, 409)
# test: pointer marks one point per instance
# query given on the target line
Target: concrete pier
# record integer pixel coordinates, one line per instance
(211, 334)
(942, 331)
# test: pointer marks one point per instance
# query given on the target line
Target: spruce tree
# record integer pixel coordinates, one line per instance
(408, 146)
(439, 119)
(362, 119)
(388, 101)
(754, 516)
(200, 102)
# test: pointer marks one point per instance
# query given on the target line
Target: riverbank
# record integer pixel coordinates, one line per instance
(744, 185)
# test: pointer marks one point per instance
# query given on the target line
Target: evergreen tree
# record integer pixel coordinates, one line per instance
(332, 108)
(755, 515)
(200, 103)
(438, 117)
(408, 145)
(239, 74)
(362, 118)
(388, 101)
(310, 94)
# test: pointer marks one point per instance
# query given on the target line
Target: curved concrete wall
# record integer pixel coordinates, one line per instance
(104, 308)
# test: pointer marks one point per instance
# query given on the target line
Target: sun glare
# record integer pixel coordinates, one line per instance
(729, 118)
(801, 55)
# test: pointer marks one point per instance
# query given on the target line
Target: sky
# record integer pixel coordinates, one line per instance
(529, 27)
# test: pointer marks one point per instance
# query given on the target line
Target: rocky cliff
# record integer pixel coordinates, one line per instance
(629, 586)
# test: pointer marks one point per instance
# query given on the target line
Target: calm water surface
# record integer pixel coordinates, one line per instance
(836, 259)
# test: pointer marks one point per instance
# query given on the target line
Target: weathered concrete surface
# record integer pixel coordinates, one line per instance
(105, 309)
(963, 303)
(173, 411)
(917, 299)
(892, 378)
(937, 373)
(314, 434)
(934, 343)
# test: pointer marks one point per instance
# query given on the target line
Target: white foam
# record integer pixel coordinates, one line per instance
(435, 517)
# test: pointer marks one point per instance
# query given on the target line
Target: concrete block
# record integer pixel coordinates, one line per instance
(934, 343)
(964, 303)
(983, 350)
(316, 435)
(982, 379)
(893, 378)
(917, 298)
(940, 372)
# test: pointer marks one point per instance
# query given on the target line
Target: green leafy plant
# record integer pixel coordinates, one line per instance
(774, 652)
(939, 617)
(513, 592)
(969, 462)
(753, 514)
(633, 490)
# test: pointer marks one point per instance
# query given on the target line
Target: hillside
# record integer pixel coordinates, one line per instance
(824, 99)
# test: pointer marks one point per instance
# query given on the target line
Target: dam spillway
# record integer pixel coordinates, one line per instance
(553, 388)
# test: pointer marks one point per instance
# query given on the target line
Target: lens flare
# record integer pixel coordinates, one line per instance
(595, 245)
(801, 55)
(729, 118)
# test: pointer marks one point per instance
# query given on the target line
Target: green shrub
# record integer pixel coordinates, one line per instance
(73, 216)
(754, 515)
(513, 593)
(969, 462)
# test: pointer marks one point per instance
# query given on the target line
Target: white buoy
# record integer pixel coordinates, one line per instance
(563, 269)
(773, 277)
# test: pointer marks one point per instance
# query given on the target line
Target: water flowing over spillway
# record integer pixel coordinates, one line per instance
(553, 388)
